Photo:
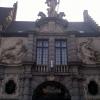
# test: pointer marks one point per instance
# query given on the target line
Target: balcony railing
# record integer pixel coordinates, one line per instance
(41, 68)
(56, 68)
(61, 68)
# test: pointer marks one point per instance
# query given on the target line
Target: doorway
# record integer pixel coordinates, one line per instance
(51, 90)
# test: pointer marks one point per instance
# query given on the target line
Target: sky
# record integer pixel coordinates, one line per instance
(28, 9)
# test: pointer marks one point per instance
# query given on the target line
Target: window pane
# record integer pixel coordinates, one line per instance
(57, 43)
(45, 55)
(63, 43)
(39, 44)
(39, 55)
(58, 56)
(61, 52)
(45, 43)
(42, 52)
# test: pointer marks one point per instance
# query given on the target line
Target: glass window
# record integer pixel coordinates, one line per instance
(42, 52)
(61, 52)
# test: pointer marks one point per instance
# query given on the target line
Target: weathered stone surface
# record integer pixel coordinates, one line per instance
(89, 50)
(12, 50)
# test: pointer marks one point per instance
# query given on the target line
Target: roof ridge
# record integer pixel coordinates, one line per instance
(6, 7)
(25, 21)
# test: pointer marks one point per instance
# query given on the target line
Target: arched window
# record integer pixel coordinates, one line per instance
(10, 87)
(93, 88)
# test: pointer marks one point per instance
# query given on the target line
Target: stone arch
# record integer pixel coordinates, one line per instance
(51, 90)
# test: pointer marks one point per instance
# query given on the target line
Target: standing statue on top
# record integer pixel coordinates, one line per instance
(52, 6)
(52, 12)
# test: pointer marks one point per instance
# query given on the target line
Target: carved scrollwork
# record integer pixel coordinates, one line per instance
(61, 15)
(42, 15)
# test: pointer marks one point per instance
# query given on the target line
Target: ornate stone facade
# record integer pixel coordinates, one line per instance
(26, 73)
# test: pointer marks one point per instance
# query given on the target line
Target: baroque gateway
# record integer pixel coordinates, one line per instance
(50, 58)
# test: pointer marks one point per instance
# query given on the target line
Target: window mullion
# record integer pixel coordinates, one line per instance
(60, 52)
(42, 53)
(60, 55)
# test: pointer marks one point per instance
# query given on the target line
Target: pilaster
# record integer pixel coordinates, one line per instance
(26, 83)
(51, 53)
(72, 49)
(75, 89)
(29, 57)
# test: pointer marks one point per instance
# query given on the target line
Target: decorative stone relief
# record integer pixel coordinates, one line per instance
(42, 15)
(85, 84)
(8, 77)
(12, 51)
(54, 22)
(51, 27)
(87, 52)
(61, 15)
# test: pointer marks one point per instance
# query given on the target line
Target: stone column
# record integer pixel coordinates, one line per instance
(21, 87)
(26, 89)
(81, 89)
(27, 82)
(1, 77)
(27, 75)
(72, 49)
(29, 56)
(73, 65)
(1, 72)
(75, 95)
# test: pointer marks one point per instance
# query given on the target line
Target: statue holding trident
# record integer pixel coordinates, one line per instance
(52, 6)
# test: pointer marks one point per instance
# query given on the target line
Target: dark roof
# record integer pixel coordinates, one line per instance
(29, 26)
(4, 13)
(80, 26)
(21, 26)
